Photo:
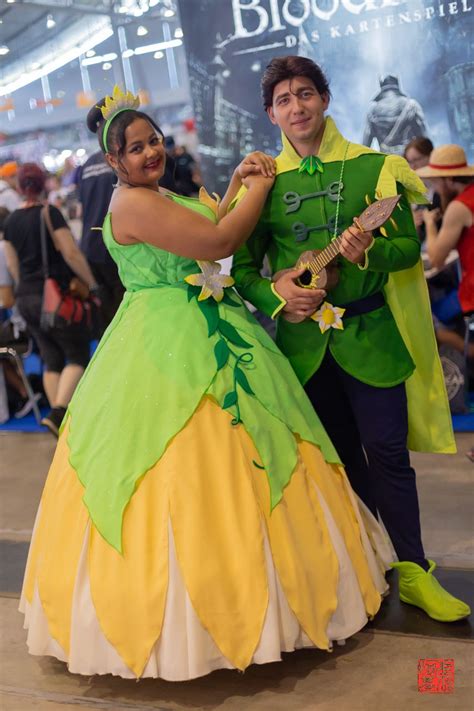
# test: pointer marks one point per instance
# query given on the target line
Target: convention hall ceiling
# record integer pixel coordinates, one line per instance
(28, 27)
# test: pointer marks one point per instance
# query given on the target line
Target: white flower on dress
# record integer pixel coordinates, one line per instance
(211, 280)
(329, 316)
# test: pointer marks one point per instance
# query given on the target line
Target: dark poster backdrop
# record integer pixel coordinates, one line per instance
(425, 45)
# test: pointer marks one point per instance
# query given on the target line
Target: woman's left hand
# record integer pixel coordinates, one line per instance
(256, 162)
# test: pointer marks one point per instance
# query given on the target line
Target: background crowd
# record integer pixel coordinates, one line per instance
(77, 199)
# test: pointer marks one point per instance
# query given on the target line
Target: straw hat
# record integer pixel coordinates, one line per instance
(445, 162)
(8, 170)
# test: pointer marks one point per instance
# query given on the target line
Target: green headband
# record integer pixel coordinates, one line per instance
(109, 121)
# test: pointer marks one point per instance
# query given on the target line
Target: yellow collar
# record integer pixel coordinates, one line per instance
(333, 147)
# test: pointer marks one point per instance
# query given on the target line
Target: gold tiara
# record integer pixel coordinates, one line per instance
(119, 101)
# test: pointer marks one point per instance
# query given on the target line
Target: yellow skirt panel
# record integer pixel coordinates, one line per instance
(129, 590)
(217, 530)
(333, 486)
(57, 544)
(302, 552)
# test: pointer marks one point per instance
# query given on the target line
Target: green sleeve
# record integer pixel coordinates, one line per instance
(246, 270)
(401, 248)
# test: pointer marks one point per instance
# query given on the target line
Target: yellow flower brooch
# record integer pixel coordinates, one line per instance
(211, 280)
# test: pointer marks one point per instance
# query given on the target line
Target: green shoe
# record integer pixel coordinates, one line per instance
(420, 588)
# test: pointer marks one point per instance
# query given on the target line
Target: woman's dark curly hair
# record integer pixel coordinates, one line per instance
(116, 132)
(116, 140)
(31, 180)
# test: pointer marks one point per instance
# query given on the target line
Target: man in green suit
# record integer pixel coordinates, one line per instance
(354, 348)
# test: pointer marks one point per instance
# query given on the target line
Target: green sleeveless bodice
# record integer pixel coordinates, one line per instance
(142, 266)
(162, 353)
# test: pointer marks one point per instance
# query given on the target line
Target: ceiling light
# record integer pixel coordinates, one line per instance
(142, 31)
(159, 45)
(50, 22)
(99, 59)
(178, 33)
(4, 49)
(90, 53)
(127, 53)
(10, 2)
(159, 55)
(106, 66)
(169, 13)
(60, 60)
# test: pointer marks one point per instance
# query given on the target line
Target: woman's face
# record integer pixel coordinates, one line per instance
(416, 159)
(143, 160)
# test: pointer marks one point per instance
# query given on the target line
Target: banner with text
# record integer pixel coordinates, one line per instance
(397, 69)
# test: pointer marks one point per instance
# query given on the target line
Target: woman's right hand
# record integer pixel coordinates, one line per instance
(257, 180)
(256, 162)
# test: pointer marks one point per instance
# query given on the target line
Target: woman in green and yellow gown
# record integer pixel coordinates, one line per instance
(195, 515)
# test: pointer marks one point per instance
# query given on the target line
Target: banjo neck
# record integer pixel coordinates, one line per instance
(325, 257)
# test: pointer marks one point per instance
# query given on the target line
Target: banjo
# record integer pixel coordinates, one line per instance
(319, 272)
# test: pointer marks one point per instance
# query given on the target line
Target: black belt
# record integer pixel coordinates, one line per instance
(364, 306)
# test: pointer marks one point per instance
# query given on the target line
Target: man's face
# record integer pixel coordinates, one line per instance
(298, 109)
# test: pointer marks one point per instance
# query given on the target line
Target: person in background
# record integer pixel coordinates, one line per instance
(14, 396)
(186, 172)
(68, 174)
(65, 351)
(96, 186)
(53, 191)
(9, 196)
(417, 154)
(453, 179)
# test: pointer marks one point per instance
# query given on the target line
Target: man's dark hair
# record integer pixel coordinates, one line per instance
(281, 68)
(422, 144)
